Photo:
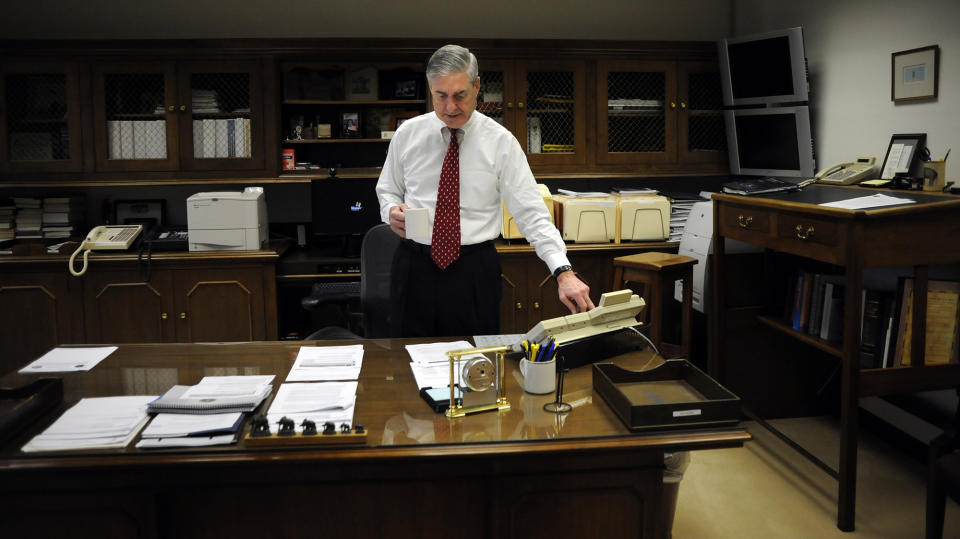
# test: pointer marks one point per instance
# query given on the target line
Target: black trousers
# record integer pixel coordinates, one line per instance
(460, 300)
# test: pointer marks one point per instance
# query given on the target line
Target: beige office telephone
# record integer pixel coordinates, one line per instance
(616, 310)
(849, 173)
(105, 237)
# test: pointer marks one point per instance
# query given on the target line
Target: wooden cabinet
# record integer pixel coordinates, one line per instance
(40, 115)
(39, 309)
(659, 113)
(197, 304)
(186, 297)
(543, 102)
(530, 291)
(165, 115)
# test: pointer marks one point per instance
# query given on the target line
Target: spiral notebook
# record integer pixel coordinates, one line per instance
(215, 394)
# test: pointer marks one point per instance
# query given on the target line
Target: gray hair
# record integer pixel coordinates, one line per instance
(450, 59)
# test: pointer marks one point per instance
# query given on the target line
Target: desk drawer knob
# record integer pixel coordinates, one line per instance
(536, 305)
(744, 221)
(183, 316)
(163, 316)
(519, 306)
(805, 231)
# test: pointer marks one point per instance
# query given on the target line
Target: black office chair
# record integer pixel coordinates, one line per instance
(944, 475)
(376, 259)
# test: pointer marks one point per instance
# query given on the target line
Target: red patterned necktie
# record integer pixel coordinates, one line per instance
(445, 243)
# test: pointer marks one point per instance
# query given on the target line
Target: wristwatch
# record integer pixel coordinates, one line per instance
(561, 269)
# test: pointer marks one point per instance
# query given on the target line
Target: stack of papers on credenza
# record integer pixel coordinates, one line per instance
(191, 430)
(320, 402)
(103, 422)
(216, 395)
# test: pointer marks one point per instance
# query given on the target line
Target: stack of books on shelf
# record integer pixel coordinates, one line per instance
(816, 307)
(218, 138)
(205, 102)
(62, 216)
(8, 212)
(137, 139)
(29, 218)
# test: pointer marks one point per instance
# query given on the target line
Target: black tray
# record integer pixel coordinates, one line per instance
(21, 406)
(674, 395)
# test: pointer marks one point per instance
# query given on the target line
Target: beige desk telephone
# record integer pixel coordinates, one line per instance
(849, 173)
(105, 237)
(616, 310)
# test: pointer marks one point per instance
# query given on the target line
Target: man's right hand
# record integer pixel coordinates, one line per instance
(398, 220)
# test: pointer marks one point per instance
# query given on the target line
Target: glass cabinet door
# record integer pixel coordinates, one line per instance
(496, 98)
(221, 116)
(551, 110)
(135, 118)
(702, 135)
(636, 112)
(40, 117)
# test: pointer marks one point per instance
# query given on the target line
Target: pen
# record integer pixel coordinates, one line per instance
(946, 155)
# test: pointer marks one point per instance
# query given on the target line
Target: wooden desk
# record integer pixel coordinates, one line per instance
(520, 473)
(916, 235)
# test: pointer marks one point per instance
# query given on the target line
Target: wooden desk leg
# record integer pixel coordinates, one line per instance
(849, 401)
(656, 318)
(617, 279)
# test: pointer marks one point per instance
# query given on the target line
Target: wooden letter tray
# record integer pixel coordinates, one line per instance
(672, 396)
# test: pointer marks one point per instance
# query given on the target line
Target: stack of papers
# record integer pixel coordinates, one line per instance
(326, 363)
(430, 364)
(102, 422)
(216, 395)
(191, 430)
(320, 402)
(582, 194)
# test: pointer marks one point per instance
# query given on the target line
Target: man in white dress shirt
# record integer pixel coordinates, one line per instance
(433, 296)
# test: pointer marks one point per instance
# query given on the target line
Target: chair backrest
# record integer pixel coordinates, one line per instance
(376, 259)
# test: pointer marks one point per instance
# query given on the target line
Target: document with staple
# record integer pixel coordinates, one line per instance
(872, 201)
(319, 402)
(94, 423)
(430, 363)
(68, 359)
(326, 363)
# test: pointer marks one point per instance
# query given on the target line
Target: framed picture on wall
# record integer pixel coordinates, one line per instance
(915, 74)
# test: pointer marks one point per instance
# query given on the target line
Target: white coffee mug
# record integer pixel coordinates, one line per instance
(539, 377)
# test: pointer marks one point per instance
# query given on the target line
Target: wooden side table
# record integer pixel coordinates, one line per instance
(657, 272)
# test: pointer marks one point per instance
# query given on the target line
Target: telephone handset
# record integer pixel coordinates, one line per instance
(849, 173)
(105, 237)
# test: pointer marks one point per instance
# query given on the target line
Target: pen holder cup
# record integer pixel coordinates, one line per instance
(539, 377)
(934, 175)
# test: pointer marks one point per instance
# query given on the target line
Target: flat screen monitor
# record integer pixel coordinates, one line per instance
(770, 142)
(344, 206)
(764, 68)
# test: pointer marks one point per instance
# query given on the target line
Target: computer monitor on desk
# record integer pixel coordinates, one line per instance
(343, 210)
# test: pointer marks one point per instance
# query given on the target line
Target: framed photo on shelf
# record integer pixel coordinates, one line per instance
(361, 84)
(400, 117)
(903, 155)
(406, 89)
(915, 74)
(350, 125)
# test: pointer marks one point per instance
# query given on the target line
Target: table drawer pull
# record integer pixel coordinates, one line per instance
(805, 231)
(744, 222)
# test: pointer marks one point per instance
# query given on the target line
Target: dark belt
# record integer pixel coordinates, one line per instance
(464, 249)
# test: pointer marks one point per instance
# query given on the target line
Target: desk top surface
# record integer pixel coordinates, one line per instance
(388, 404)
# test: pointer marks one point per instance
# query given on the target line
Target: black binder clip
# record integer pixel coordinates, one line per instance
(287, 427)
(259, 426)
(344, 428)
(329, 428)
(309, 428)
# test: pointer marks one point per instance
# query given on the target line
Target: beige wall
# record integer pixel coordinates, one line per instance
(571, 19)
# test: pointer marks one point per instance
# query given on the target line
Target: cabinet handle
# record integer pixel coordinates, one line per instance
(518, 306)
(163, 316)
(804, 231)
(536, 305)
(744, 222)
(509, 104)
(171, 108)
(183, 316)
(683, 104)
(673, 104)
(183, 108)
(520, 105)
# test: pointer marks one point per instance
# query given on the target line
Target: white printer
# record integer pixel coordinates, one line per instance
(697, 241)
(227, 220)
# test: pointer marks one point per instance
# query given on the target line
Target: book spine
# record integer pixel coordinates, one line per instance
(816, 306)
(871, 334)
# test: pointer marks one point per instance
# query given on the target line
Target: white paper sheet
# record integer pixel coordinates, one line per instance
(327, 363)
(873, 201)
(433, 353)
(69, 359)
(319, 402)
(228, 387)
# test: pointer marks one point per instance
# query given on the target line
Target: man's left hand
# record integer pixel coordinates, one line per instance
(574, 293)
